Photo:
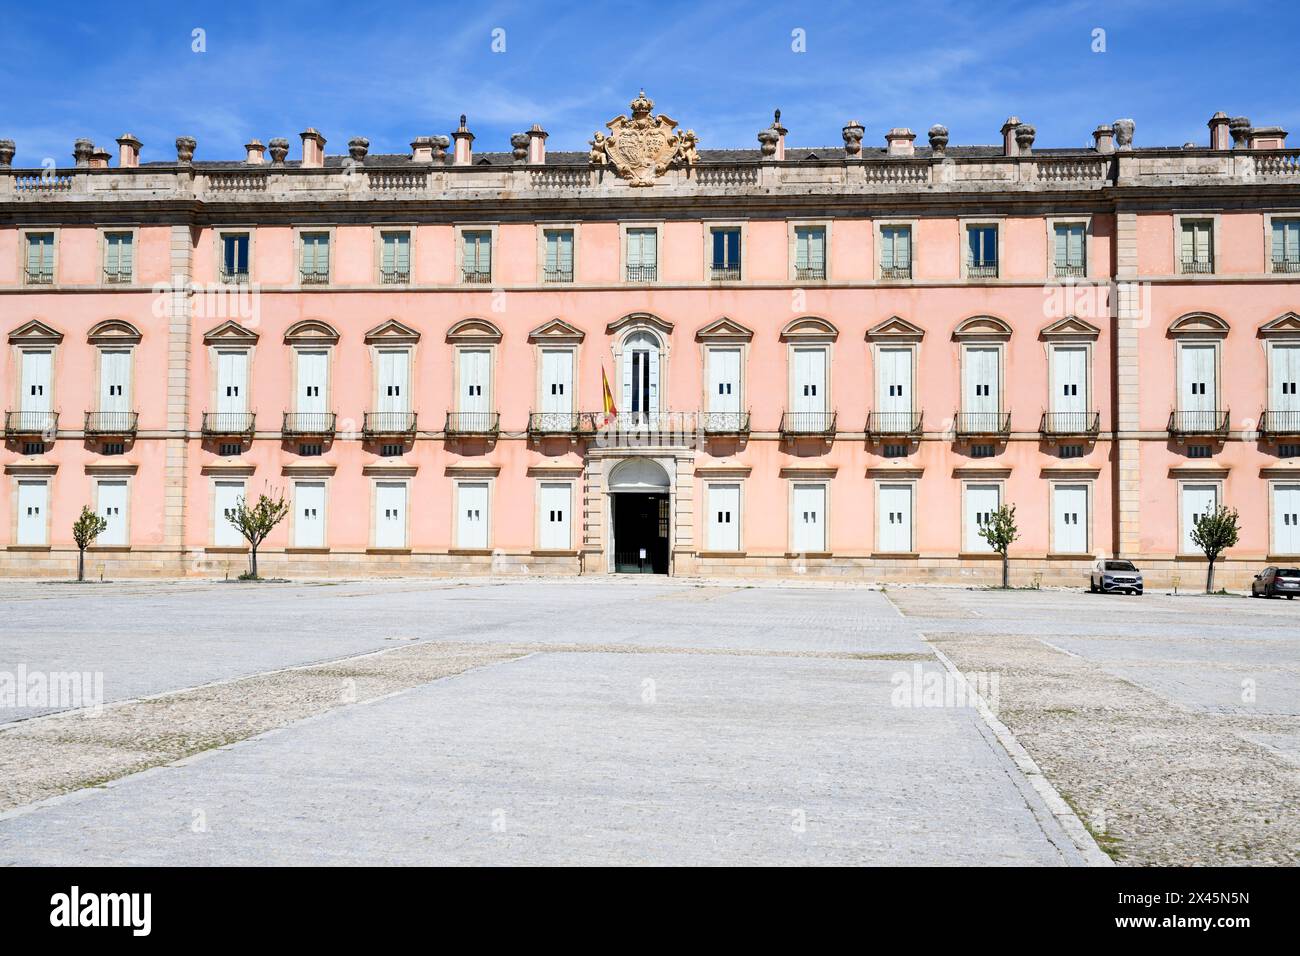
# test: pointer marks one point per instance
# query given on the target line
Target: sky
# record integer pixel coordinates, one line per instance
(395, 70)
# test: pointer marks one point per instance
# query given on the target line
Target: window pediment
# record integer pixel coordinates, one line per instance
(809, 328)
(392, 332)
(311, 332)
(35, 332)
(724, 330)
(1199, 323)
(474, 331)
(640, 320)
(557, 331)
(1070, 328)
(982, 328)
(113, 332)
(895, 329)
(1286, 325)
(230, 332)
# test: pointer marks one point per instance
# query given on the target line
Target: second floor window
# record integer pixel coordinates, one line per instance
(119, 258)
(315, 267)
(40, 258)
(1286, 245)
(1068, 254)
(982, 252)
(395, 257)
(642, 255)
(559, 256)
(476, 256)
(234, 257)
(1197, 254)
(809, 252)
(895, 252)
(726, 254)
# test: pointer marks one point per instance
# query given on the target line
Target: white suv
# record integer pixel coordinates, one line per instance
(1111, 574)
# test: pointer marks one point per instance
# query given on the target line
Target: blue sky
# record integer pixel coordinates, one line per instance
(396, 70)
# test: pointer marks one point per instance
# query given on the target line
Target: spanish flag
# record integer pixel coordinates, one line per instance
(610, 410)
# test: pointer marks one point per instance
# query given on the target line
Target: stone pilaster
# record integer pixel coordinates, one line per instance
(179, 323)
(593, 516)
(1128, 317)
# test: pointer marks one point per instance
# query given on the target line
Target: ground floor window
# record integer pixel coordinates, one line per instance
(390, 514)
(981, 500)
(554, 520)
(1286, 519)
(1070, 519)
(33, 513)
(472, 522)
(1197, 500)
(226, 496)
(724, 517)
(894, 517)
(309, 514)
(808, 518)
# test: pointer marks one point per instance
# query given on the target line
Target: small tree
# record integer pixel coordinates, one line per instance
(1215, 532)
(256, 522)
(1000, 531)
(85, 530)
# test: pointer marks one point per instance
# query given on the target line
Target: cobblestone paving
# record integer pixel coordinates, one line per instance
(1168, 723)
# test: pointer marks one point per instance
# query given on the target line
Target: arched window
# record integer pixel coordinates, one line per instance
(641, 353)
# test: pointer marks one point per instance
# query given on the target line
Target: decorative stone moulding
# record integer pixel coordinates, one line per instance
(279, 149)
(852, 133)
(642, 148)
(7, 150)
(1239, 127)
(185, 146)
(1025, 138)
(358, 146)
(440, 146)
(519, 147)
(767, 140)
(1124, 133)
(938, 139)
(82, 149)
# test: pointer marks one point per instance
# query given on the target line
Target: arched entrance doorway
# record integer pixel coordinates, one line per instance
(641, 511)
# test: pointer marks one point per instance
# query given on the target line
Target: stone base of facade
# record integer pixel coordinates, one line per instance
(977, 571)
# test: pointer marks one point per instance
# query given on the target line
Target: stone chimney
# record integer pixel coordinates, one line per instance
(128, 151)
(537, 145)
(1009, 147)
(99, 158)
(422, 149)
(81, 151)
(1267, 137)
(464, 152)
(256, 152)
(902, 141)
(1220, 138)
(1124, 129)
(313, 149)
(1103, 138)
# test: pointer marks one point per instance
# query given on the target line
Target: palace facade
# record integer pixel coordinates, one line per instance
(829, 361)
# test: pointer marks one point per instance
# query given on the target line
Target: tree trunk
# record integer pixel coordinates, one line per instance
(81, 565)
(1006, 571)
(252, 562)
(1209, 578)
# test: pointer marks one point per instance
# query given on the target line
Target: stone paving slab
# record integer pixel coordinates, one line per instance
(563, 758)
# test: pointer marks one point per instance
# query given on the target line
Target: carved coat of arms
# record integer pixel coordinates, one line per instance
(644, 147)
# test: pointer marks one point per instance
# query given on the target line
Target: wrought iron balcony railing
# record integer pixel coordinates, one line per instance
(375, 424)
(314, 276)
(1274, 422)
(476, 276)
(541, 424)
(896, 271)
(40, 276)
(394, 276)
(308, 423)
(228, 423)
(643, 273)
(111, 423)
(894, 423)
(1200, 422)
(31, 423)
(473, 423)
(1197, 265)
(234, 276)
(557, 275)
(981, 270)
(1071, 269)
(725, 423)
(810, 273)
(1070, 423)
(724, 273)
(982, 423)
(1286, 265)
(795, 424)
(117, 276)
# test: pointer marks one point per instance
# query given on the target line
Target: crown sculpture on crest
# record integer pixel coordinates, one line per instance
(643, 148)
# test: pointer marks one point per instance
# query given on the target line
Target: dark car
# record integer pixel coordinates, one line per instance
(1276, 582)
(1114, 575)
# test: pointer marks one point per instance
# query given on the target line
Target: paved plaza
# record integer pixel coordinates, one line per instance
(617, 720)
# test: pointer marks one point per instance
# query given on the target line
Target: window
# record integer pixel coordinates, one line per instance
(395, 258)
(114, 448)
(315, 266)
(1069, 254)
(809, 252)
(113, 501)
(1286, 519)
(33, 448)
(476, 256)
(1286, 245)
(390, 514)
(558, 266)
(472, 515)
(309, 514)
(724, 517)
(40, 258)
(897, 451)
(1197, 500)
(894, 518)
(895, 252)
(311, 450)
(554, 520)
(119, 257)
(982, 252)
(983, 451)
(725, 265)
(1290, 450)
(1197, 254)
(808, 521)
(226, 497)
(33, 505)
(1071, 451)
(234, 257)
(1199, 451)
(392, 451)
(642, 255)
(1070, 519)
(981, 502)
(229, 449)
